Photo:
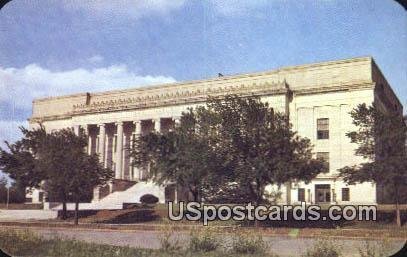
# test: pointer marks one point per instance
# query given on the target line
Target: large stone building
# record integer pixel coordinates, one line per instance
(317, 97)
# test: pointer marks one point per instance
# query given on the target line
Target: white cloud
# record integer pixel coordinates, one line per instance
(129, 8)
(20, 86)
(9, 131)
(237, 7)
(95, 59)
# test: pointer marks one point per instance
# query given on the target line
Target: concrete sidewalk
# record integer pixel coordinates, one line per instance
(21, 215)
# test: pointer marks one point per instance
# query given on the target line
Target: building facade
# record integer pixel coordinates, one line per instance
(316, 97)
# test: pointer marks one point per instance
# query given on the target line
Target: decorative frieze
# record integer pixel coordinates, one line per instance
(174, 96)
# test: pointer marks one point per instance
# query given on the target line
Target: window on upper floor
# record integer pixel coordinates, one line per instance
(323, 128)
(325, 157)
(345, 194)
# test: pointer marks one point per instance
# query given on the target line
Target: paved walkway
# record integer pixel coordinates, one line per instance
(283, 246)
(24, 215)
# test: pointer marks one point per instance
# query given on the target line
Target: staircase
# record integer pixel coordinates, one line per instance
(115, 200)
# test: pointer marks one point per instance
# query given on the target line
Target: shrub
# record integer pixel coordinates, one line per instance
(204, 241)
(168, 240)
(248, 243)
(375, 249)
(323, 248)
(148, 199)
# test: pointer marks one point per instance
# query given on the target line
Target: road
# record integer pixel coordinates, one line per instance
(283, 246)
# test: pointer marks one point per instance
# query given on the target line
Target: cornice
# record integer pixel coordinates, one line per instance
(178, 97)
(335, 88)
(219, 80)
(197, 96)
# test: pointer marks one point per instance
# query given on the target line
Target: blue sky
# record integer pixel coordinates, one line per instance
(58, 47)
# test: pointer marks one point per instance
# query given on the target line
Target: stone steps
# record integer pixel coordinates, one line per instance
(115, 200)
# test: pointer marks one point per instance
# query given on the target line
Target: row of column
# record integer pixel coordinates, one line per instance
(104, 143)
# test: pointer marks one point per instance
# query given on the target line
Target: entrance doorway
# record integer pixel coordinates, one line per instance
(322, 193)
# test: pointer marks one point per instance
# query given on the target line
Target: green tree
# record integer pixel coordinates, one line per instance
(57, 162)
(74, 173)
(381, 138)
(16, 192)
(3, 189)
(20, 161)
(231, 140)
(181, 155)
(258, 146)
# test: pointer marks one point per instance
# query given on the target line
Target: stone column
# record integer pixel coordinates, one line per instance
(102, 137)
(135, 172)
(288, 192)
(101, 152)
(76, 129)
(157, 125)
(119, 151)
(177, 121)
(87, 131)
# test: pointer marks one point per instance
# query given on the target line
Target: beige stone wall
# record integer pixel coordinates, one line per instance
(55, 106)
(307, 92)
(305, 78)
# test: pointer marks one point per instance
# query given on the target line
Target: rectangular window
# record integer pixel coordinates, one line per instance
(323, 128)
(345, 194)
(325, 157)
(40, 196)
(301, 194)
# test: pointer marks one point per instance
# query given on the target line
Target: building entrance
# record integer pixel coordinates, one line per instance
(322, 193)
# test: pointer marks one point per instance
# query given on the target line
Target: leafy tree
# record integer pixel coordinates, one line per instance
(16, 191)
(231, 140)
(57, 162)
(20, 161)
(3, 189)
(381, 138)
(73, 173)
(182, 155)
(258, 146)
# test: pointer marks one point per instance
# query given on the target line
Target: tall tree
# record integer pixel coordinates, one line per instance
(12, 191)
(20, 161)
(73, 173)
(231, 140)
(259, 147)
(181, 155)
(56, 162)
(381, 138)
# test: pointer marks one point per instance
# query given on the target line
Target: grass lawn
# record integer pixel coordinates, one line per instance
(26, 243)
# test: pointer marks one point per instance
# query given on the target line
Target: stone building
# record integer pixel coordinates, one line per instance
(317, 98)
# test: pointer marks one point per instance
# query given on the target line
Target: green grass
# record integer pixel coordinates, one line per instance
(26, 243)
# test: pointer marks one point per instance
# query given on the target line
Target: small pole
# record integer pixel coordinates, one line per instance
(8, 196)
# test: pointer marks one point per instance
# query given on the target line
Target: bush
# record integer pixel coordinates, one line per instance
(323, 248)
(370, 249)
(204, 241)
(148, 199)
(168, 239)
(249, 243)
